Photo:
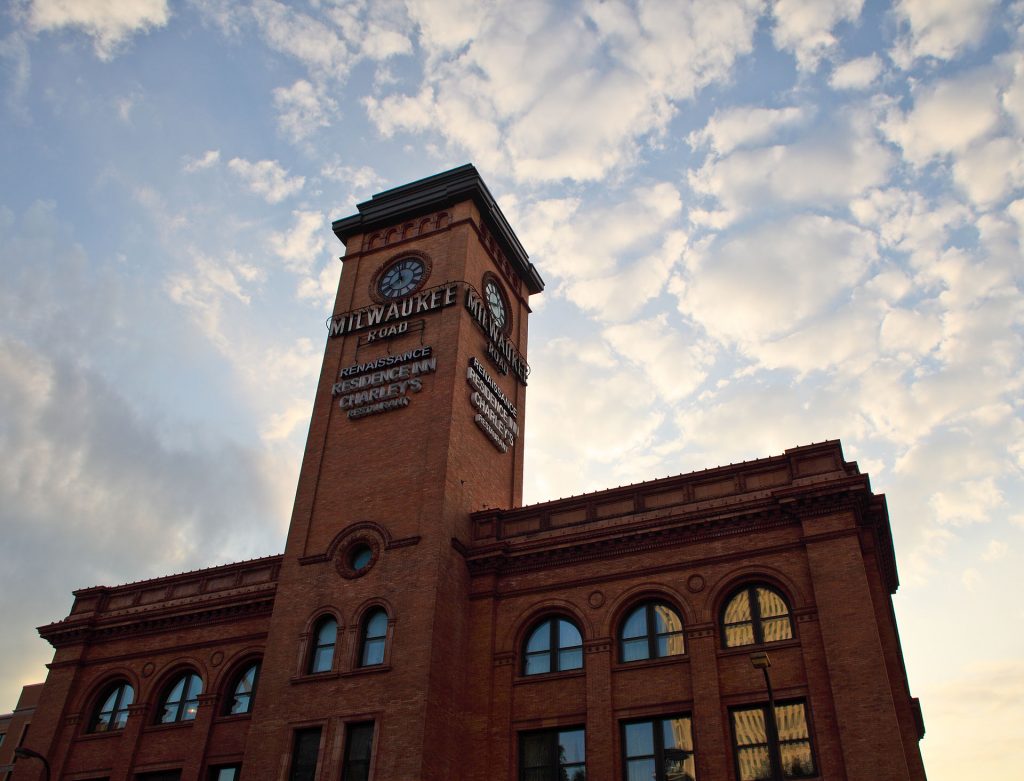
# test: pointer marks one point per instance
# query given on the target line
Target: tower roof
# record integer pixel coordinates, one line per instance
(437, 192)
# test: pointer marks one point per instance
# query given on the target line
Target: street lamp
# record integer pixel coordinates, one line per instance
(761, 662)
(27, 753)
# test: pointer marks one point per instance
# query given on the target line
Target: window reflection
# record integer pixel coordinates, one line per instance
(756, 614)
(245, 687)
(553, 755)
(659, 750)
(750, 735)
(182, 700)
(651, 631)
(554, 645)
(112, 711)
(326, 635)
(375, 630)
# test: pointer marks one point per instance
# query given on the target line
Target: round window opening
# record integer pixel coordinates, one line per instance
(359, 558)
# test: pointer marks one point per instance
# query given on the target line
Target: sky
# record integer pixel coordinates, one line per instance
(761, 224)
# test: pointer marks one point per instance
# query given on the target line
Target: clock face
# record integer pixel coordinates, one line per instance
(495, 302)
(402, 278)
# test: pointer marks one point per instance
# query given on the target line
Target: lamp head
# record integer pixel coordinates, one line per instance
(760, 661)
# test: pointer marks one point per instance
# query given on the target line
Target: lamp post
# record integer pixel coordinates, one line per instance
(27, 753)
(761, 662)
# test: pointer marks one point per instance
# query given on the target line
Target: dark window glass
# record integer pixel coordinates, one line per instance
(225, 773)
(659, 750)
(553, 755)
(360, 558)
(182, 699)
(305, 752)
(244, 690)
(112, 710)
(159, 775)
(554, 645)
(651, 631)
(755, 615)
(358, 750)
(326, 635)
(750, 736)
(375, 630)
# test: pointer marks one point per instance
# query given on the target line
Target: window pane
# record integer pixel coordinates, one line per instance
(640, 770)
(537, 750)
(108, 704)
(666, 620)
(540, 640)
(677, 734)
(797, 761)
(640, 739)
(570, 660)
(771, 603)
(791, 721)
(377, 626)
(328, 632)
(568, 635)
(305, 752)
(224, 773)
(776, 629)
(571, 746)
(738, 609)
(373, 653)
(740, 634)
(358, 749)
(671, 645)
(322, 659)
(749, 726)
(754, 764)
(636, 624)
(576, 773)
(538, 663)
(632, 650)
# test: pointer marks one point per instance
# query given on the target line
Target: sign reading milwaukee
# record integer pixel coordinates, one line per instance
(377, 315)
(501, 349)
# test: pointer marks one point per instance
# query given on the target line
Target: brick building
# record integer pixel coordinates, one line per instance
(422, 624)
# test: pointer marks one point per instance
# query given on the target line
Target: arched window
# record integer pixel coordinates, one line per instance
(244, 689)
(321, 659)
(754, 615)
(181, 701)
(554, 645)
(375, 630)
(112, 709)
(651, 630)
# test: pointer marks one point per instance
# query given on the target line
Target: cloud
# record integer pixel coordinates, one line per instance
(517, 98)
(299, 247)
(856, 74)
(940, 28)
(989, 171)
(762, 284)
(208, 160)
(109, 24)
(996, 550)
(947, 116)
(740, 126)
(674, 361)
(302, 109)
(267, 178)
(805, 27)
(822, 167)
(317, 45)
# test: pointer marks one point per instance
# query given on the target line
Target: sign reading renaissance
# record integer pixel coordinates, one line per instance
(495, 414)
(384, 384)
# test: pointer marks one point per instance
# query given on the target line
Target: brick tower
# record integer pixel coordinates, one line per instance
(417, 423)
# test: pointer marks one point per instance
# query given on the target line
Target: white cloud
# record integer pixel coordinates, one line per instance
(267, 178)
(910, 331)
(674, 361)
(732, 128)
(822, 167)
(209, 159)
(300, 246)
(315, 44)
(996, 550)
(320, 289)
(805, 27)
(763, 283)
(857, 74)
(947, 116)
(971, 579)
(940, 28)
(517, 97)
(987, 172)
(109, 24)
(969, 501)
(302, 109)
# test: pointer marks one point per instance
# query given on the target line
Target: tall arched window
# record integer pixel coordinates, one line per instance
(554, 645)
(244, 689)
(321, 658)
(374, 637)
(754, 615)
(181, 701)
(651, 630)
(112, 708)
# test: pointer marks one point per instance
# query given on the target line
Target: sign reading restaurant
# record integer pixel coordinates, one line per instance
(384, 384)
(495, 413)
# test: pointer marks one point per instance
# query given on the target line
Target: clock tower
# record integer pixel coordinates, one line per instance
(417, 422)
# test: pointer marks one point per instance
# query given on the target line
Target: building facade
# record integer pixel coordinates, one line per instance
(422, 624)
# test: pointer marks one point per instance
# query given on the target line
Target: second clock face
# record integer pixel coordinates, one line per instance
(402, 278)
(495, 302)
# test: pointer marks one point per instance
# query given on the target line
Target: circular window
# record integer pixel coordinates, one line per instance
(359, 557)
